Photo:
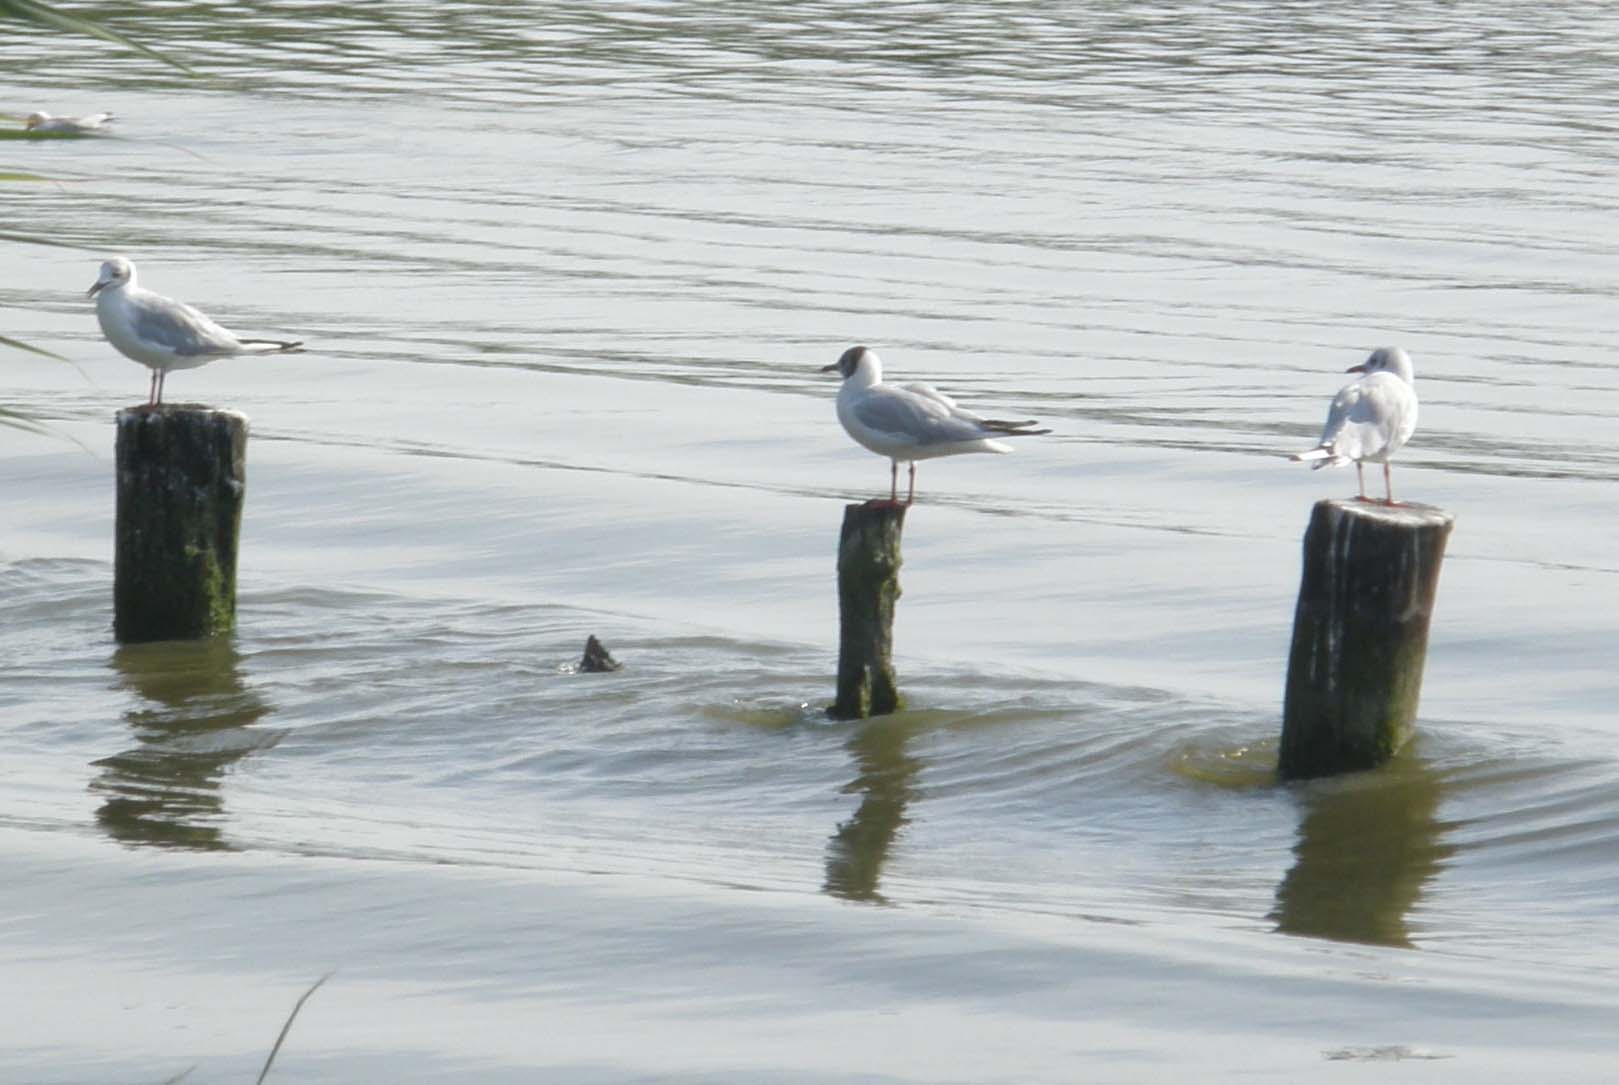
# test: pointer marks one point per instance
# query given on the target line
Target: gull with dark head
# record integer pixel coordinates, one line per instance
(46, 124)
(1370, 418)
(911, 422)
(161, 333)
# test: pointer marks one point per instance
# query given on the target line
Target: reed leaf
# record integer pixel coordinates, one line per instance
(287, 1027)
(45, 14)
(18, 344)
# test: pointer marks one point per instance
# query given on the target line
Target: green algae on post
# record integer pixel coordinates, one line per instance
(181, 484)
(1360, 634)
(868, 588)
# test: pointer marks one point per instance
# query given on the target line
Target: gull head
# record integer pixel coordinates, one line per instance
(854, 360)
(35, 120)
(1389, 359)
(115, 272)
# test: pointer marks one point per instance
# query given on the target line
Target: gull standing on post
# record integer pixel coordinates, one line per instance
(162, 333)
(72, 126)
(911, 422)
(1370, 418)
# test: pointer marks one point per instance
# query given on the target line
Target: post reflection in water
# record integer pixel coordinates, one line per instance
(193, 725)
(1367, 845)
(856, 852)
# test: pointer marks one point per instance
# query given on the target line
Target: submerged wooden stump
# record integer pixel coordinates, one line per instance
(868, 588)
(597, 659)
(181, 482)
(1360, 634)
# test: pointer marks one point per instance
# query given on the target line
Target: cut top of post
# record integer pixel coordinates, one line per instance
(1409, 514)
(129, 416)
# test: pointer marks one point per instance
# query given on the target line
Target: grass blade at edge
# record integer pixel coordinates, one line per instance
(287, 1027)
(38, 12)
(7, 341)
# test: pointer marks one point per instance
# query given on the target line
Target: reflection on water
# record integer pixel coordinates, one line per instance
(857, 851)
(192, 727)
(1367, 845)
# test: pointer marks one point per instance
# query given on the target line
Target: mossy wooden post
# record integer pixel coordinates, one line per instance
(868, 587)
(1360, 634)
(181, 481)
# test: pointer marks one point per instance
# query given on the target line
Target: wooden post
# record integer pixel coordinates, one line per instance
(1360, 634)
(181, 481)
(597, 659)
(868, 587)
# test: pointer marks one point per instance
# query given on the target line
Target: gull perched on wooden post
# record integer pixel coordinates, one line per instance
(1370, 419)
(911, 422)
(162, 333)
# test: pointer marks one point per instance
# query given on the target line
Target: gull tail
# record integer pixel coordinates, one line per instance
(1322, 458)
(271, 346)
(1012, 429)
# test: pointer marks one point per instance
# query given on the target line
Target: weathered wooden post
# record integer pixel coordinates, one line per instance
(181, 482)
(597, 659)
(868, 587)
(1360, 634)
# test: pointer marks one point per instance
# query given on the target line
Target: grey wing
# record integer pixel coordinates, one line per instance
(1363, 418)
(987, 425)
(909, 415)
(927, 391)
(182, 329)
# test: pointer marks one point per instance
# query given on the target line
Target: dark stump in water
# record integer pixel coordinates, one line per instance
(868, 588)
(182, 479)
(1360, 634)
(597, 659)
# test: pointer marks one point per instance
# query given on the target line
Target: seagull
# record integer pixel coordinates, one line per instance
(74, 126)
(162, 333)
(911, 422)
(1370, 419)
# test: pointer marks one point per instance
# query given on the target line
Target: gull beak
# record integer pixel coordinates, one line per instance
(1361, 368)
(833, 368)
(99, 284)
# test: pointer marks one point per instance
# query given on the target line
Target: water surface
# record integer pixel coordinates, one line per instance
(567, 274)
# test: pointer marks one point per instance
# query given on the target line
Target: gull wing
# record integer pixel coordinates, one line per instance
(927, 391)
(1367, 416)
(178, 327)
(905, 414)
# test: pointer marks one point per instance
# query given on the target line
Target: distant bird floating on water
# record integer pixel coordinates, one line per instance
(911, 422)
(1370, 418)
(162, 333)
(77, 126)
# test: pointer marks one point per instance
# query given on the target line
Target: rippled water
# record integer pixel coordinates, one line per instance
(567, 272)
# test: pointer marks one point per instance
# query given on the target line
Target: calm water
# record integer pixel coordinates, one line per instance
(567, 272)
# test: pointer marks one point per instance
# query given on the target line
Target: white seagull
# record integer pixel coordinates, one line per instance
(75, 126)
(1371, 418)
(911, 422)
(162, 333)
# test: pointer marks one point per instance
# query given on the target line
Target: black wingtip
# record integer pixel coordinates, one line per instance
(1013, 429)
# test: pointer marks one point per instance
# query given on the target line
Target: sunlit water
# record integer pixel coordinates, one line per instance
(567, 273)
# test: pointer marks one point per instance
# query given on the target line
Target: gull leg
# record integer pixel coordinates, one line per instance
(1388, 483)
(910, 494)
(1360, 476)
(893, 480)
(162, 375)
(151, 392)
